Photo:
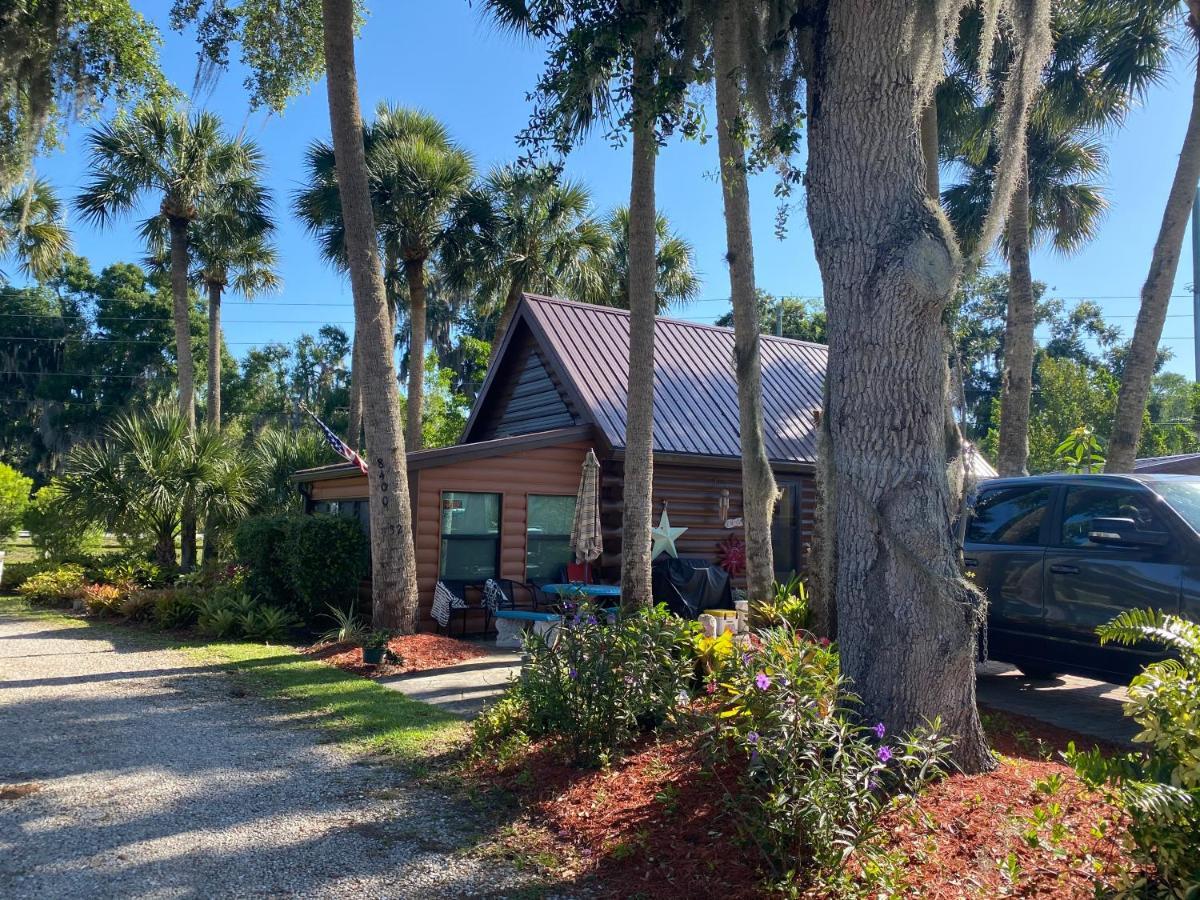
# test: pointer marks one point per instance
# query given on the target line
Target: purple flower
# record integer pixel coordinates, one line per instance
(754, 757)
(885, 753)
(872, 784)
(746, 657)
(591, 620)
(880, 731)
(762, 680)
(572, 673)
(711, 687)
(752, 737)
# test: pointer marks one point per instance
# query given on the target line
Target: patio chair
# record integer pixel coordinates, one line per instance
(461, 606)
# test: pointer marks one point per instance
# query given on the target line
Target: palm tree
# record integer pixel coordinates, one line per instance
(1056, 196)
(188, 163)
(393, 562)
(526, 230)
(1134, 55)
(150, 467)
(675, 279)
(417, 176)
(32, 229)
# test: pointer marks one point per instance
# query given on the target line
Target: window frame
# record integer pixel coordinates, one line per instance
(443, 537)
(567, 536)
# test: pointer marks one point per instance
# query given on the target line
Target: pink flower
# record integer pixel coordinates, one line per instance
(762, 680)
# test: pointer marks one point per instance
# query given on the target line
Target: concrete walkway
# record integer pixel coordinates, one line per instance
(1076, 704)
(464, 689)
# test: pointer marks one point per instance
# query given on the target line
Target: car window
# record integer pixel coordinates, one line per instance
(1086, 503)
(1010, 515)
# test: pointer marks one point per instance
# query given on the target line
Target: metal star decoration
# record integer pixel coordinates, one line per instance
(664, 537)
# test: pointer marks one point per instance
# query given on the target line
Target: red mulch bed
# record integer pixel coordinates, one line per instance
(417, 653)
(654, 825)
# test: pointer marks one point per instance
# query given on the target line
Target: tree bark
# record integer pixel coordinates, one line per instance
(1156, 295)
(758, 482)
(639, 427)
(907, 620)
(355, 426)
(393, 564)
(414, 273)
(164, 550)
(1016, 384)
(214, 356)
(185, 366)
(511, 301)
(929, 150)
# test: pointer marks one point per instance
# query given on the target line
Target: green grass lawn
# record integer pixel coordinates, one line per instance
(354, 712)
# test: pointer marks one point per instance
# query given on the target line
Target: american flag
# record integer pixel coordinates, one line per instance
(340, 447)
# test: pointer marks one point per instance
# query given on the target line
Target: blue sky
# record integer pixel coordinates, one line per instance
(444, 58)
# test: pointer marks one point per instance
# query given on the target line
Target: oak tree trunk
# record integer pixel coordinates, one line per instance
(758, 482)
(393, 564)
(639, 427)
(1156, 295)
(414, 273)
(1016, 383)
(907, 620)
(185, 365)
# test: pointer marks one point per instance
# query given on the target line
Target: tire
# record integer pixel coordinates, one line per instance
(1037, 671)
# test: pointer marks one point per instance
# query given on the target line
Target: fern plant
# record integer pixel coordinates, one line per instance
(1159, 786)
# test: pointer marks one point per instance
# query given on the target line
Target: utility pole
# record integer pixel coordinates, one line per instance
(1196, 281)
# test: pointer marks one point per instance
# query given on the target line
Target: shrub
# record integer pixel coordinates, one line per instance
(347, 628)
(174, 608)
(58, 532)
(266, 623)
(216, 619)
(139, 605)
(103, 599)
(788, 607)
(260, 544)
(131, 568)
(17, 573)
(500, 733)
(603, 683)
(60, 586)
(14, 497)
(814, 782)
(326, 559)
(1158, 787)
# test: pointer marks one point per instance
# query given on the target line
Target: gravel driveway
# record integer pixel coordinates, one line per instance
(149, 776)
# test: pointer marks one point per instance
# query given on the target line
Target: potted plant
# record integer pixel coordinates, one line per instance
(374, 646)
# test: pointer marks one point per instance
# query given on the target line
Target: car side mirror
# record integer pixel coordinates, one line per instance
(1124, 531)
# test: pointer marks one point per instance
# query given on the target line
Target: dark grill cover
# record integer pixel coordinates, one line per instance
(690, 586)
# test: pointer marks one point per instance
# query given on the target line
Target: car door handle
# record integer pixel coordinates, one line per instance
(1065, 570)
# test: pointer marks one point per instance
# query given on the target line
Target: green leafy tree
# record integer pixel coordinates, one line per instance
(32, 229)
(149, 467)
(803, 317)
(63, 59)
(55, 531)
(417, 177)
(675, 279)
(14, 498)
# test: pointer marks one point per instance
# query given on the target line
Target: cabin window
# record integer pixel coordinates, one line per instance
(470, 536)
(785, 532)
(359, 510)
(548, 536)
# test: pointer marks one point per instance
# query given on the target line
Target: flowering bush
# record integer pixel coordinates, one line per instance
(813, 782)
(104, 599)
(603, 682)
(56, 587)
(1158, 787)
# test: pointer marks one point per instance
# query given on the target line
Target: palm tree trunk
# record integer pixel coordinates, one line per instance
(906, 620)
(639, 428)
(511, 300)
(1156, 295)
(164, 549)
(414, 273)
(758, 482)
(393, 563)
(213, 416)
(187, 372)
(214, 356)
(1016, 386)
(356, 413)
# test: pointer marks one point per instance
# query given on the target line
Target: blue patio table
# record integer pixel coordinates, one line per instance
(578, 587)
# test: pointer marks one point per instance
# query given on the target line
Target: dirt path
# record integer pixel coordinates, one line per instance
(149, 776)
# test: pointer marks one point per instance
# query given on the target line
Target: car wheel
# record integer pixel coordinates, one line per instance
(1036, 671)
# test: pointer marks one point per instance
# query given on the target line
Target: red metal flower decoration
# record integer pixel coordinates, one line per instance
(731, 555)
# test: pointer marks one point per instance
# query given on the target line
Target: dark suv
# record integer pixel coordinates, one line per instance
(1060, 554)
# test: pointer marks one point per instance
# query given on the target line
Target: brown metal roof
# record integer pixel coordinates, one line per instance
(695, 386)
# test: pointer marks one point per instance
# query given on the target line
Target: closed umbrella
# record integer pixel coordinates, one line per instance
(586, 539)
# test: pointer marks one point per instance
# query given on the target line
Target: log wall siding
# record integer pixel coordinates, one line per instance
(546, 470)
(693, 497)
(346, 488)
(528, 398)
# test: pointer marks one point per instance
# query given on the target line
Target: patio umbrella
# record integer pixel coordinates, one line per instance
(585, 530)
